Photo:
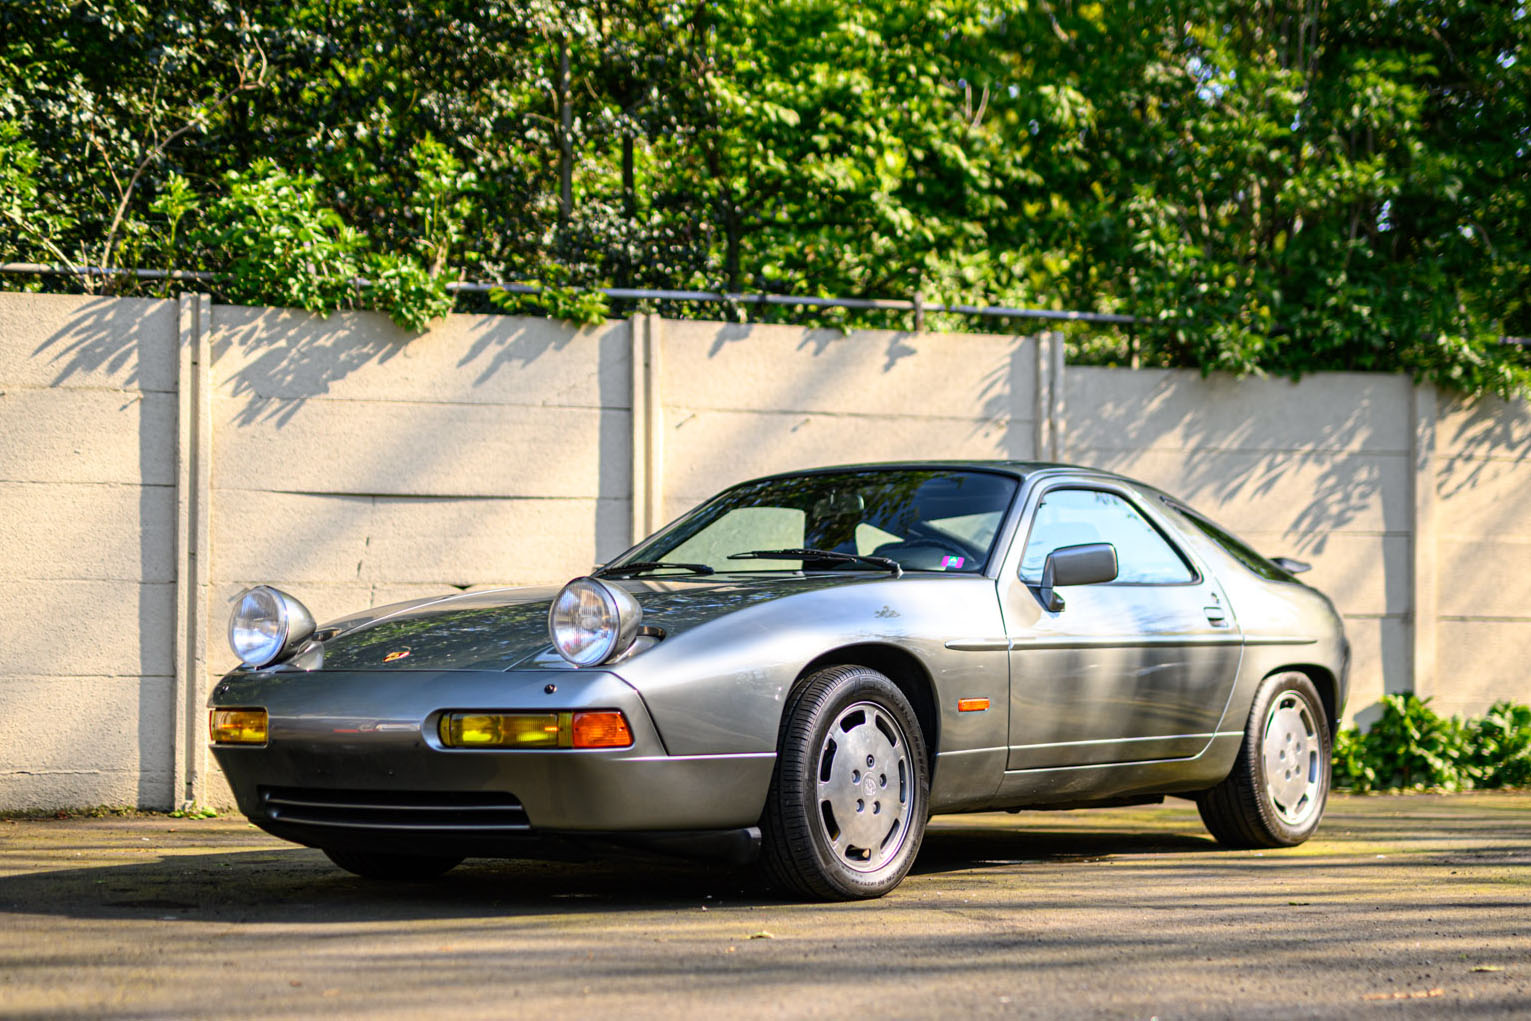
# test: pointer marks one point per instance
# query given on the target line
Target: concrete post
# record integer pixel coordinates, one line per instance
(1057, 405)
(1049, 397)
(194, 435)
(648, 426)
(1425, 598)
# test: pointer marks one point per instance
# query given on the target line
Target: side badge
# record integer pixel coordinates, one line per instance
(395, 656)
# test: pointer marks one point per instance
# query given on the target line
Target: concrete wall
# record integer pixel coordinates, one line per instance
(743, 401)
(87, 531)
(1481, 600)
(158, 456)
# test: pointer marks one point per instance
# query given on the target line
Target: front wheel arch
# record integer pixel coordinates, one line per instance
(901, 667)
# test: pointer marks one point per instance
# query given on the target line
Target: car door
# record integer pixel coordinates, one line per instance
(1132, 670)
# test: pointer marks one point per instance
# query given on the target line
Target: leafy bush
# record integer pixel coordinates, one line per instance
(281, 245)
(1411, 747)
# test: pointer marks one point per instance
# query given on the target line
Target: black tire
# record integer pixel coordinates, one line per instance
(837, 827)
(394, 867)
(1276, 793)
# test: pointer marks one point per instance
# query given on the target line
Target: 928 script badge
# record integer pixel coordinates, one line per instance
(394, 657)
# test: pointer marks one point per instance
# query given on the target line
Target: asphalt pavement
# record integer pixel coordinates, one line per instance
(1401, 906)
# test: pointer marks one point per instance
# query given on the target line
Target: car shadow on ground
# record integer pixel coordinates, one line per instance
(294, 884)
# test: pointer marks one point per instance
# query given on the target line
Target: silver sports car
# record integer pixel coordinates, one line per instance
(800, 671)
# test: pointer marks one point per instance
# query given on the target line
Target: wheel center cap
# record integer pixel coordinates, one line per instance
(869, 784)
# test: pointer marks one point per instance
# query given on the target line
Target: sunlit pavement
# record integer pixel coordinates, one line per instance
(1402, 906)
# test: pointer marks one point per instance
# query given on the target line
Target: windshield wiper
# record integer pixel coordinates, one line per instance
(644, 566)
(884, 563)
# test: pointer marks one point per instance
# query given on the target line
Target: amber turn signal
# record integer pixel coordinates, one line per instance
(477, 729)
(237, 726)
(972, 705)
(601, 730)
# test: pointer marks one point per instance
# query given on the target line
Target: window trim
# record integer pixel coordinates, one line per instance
(1198, 577)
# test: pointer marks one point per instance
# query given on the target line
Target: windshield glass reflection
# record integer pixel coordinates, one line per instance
(939, 520)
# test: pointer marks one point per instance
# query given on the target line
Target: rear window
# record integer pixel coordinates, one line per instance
(1231, 544)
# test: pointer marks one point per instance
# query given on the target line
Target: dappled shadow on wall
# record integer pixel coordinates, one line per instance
(131, 340)
(1007, 399)
(278, 359)
(1472, 434)
(1243, 441)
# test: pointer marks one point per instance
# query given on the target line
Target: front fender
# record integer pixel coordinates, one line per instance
(722, 686)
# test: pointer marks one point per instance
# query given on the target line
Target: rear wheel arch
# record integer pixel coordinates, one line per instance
(901, 667)
(1326, 685)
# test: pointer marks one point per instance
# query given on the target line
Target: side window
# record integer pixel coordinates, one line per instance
(1231, 544)
(1072, 517)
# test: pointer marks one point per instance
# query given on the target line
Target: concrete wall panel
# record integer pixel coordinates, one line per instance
(356, 465)
(399, 448)
(1379, 664)
(86, 741)
(1480, 498)
(62, 628)
(1487, 428)
(1486, 579)
(1302, 495)
(87, 526)
(76, 341)
(79, 435)
(1363, 573)
(278, 354)
(306, 538)
(867, 372)
(1482, 662)
(63, 531)
(1179, 409)
(707, 450)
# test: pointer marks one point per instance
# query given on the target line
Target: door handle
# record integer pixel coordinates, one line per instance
(1215, 616)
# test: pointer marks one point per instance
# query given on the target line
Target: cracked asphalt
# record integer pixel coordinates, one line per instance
(1401, 906)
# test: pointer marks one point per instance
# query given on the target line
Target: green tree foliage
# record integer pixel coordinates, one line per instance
(1279, 188)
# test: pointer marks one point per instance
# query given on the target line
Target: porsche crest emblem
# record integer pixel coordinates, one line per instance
(395, 656)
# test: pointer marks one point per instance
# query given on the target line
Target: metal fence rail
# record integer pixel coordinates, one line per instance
(917, 306)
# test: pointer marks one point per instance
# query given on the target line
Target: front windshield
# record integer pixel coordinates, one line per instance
(924, 519)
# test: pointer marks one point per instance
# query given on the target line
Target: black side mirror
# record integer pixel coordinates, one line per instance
(1089, 564)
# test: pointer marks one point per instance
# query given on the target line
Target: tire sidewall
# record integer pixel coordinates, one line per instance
(860, 684)
(1282, 832)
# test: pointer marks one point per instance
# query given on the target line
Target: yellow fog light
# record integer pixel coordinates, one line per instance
(603, 729)
(500, 730)
(237, 726)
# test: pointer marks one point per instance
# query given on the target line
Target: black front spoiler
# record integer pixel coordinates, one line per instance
(730, 847)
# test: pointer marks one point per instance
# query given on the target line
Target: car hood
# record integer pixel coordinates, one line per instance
(505, 628)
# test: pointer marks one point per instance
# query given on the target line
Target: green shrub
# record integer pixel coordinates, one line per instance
(1411, 747)
(281, 244)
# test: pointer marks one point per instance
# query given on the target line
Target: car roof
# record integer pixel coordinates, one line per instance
(1016, 469)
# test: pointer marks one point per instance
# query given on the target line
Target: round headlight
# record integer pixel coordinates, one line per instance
(266, 624)
(591, 622)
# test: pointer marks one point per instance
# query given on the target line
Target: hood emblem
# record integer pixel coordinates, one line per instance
(394, 656)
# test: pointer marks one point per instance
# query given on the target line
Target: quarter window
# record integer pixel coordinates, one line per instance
(1073, 517)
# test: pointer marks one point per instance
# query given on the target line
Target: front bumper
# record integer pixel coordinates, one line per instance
(353, 759)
